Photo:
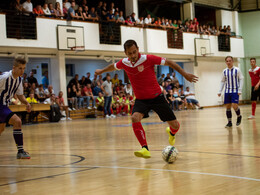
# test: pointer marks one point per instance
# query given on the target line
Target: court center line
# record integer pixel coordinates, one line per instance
(131, 168)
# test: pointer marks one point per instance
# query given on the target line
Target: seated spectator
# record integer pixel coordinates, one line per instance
(80, 14)
(100, 101)
(128, 89)
(46, 10)
(115, 104)
(89, 95)
(130, 102)
(122, 101)
(38, 10)
(32, 100)
(51, 100)
(58, 11)
(52, 10)
(80, 99)
(26, 89)
(31, 79)
(27, 7)
(63, 107)
(183, 98)
(41, 96)
(71, 12)
(72, 97)
(128, 21)
(177, 99)
(33, 88)
(94, 81)
(24, 78)
(148, 20)
(190, 97)
(49, 91)
(168, 77)
(161, 79)
(170, 98)
(97, 89)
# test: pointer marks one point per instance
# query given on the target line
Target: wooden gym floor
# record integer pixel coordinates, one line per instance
(95, 156)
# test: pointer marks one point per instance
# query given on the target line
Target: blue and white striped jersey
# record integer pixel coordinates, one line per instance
(232, 79)
(8, 87)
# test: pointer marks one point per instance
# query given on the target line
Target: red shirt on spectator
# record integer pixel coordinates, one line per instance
(84, 90)
(38, 12)
(142, 75)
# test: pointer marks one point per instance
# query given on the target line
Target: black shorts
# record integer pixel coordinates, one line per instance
(255, 94)
(158, 104)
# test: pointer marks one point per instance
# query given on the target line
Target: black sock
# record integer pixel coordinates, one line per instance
(18, 137)
(172, 133)
(229, 115)
(145, 147)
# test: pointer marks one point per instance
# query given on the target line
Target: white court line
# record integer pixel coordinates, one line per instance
(130, 168)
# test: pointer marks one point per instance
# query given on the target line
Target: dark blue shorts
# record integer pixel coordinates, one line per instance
(5, 114)
(231, 98)
(193, 101)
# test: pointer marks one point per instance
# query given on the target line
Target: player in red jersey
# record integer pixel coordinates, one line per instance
(140, 71)
(254, 73)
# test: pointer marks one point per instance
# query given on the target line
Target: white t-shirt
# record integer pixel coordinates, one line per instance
(28, 6)
(148, 20)
(46, 11)
(190, 96)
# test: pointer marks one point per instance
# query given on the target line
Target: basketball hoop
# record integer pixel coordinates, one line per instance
(77, 48)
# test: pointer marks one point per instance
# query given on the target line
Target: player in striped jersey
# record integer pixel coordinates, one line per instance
(10, 84)
(254, 73)
(232, 78)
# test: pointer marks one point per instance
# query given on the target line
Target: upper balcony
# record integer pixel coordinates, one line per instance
(155, 41)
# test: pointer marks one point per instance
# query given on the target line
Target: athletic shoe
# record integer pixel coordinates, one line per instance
(89, 107)
(239, 120)
(95, 107)
(251, 117)
(107, 116)
(112, 116)
(171, 137)
(73, 109)
(23, 155)
(63, 118)
(69, 119)
(228, 125)
(69, 109)
(200, 108)
(144, 153)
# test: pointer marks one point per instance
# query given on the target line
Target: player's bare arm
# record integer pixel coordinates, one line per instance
(108, 68)
(189, 77)
(24, 101)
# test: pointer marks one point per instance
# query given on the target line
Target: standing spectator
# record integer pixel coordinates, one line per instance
(140, 21)
(104, 11)
(168, 77)
(100, 79)
(88, 81)
(45, 80)
(80, 14)
(46, 10)
(148, 19)
(38, 10)
(31, 79)
(93, 13)
(115, 79)
(24, 78)
(27, 7)
(94, 81)
(58, 11)
(67, 4)
(121, 17)
(132, 18)
(16, 6)
(82, 81)
(107, 89)
(190, 97)
(71, 12)
(26, 89)
(99, 9)
(214, 31)
(52, 10)
(128, 21)
(64, 10)
(74, 81)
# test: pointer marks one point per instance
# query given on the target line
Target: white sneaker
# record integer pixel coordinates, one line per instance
(69, 119)
(63, 119)
(112, 116)
(107, 116)
(73, 109)
(69, 109)
(251, 117)
(89, 107)
(95, 107)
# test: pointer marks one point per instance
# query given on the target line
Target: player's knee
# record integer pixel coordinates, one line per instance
(135, 118)
(175, 125)
(17, 123)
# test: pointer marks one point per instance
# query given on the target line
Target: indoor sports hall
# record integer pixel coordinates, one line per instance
(76, 146)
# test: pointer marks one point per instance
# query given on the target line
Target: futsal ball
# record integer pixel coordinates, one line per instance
(169, 154)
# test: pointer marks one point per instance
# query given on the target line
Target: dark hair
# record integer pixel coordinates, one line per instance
(252, 59)
(19, 60)
(129, 43)
(229, 57)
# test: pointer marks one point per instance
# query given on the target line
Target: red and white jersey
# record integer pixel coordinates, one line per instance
(142, 75)
(255, 75)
